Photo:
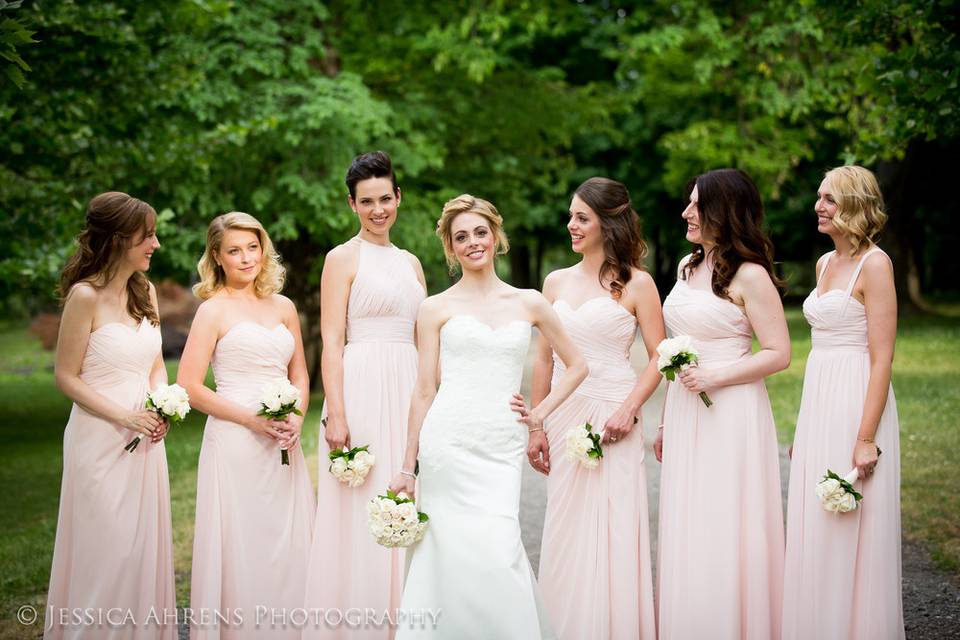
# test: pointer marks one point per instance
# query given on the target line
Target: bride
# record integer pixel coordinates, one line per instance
(471, 569)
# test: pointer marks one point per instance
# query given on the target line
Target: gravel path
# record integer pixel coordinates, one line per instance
(931, 598)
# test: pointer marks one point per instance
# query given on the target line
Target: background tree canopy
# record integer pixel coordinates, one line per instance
(205, 106)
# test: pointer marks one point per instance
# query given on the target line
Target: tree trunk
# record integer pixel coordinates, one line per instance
(520, 275)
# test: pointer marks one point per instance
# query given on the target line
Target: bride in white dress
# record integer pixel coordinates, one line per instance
(472, 340)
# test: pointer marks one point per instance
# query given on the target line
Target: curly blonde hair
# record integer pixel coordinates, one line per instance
(860, 215)
(466, 203)
(212, 278)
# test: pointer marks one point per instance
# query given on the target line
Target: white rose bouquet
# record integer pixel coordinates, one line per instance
(583, 446)
(170, 402)
(279, 399)
(837, 494)
(394, 520)
(351, 466)
(677, 354)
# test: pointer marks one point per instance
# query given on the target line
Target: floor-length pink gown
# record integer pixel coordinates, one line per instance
(595, 572)
(254, 515)
(114, 545)
(348, 570)
(842, 575)
(720, 570)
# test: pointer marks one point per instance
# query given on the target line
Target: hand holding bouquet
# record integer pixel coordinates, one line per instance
(583, 446)
(677, 354)
(351, 466)
(394, 520)
(279, 399)
(837, 494)
(170, 402)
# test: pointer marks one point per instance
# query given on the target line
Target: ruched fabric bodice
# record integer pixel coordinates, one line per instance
(247, 357)
(119, 357)
(604, 331)
(384, 297)
(837, 319)
(720, 331)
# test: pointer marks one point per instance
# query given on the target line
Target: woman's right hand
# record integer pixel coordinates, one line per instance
(403, 483)
(336, 433)
(276, 429)
(658, 445)
(145, 422)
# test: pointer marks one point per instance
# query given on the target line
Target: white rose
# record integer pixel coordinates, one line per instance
(847, 503)
(272, 403)
(338, 466)
(827, 488)
(289, 394)
(170, 406)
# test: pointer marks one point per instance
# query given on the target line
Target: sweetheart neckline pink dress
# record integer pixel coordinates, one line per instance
(114, 544)
(254, 516)
(595, 569)
(720, 569)
(843, 571)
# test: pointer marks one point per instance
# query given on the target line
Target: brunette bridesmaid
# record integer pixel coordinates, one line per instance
(842, 575)
(370, 292)
(720, 571)
(114, 546)
(254, 514)
(595, 572)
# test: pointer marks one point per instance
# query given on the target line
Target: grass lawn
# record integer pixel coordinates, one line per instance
(926, 382)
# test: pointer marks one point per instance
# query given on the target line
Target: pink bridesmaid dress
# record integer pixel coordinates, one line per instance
(114, 546)
(347, 569)
(254, 515)
(595, 573)
(842, 577)
(720, 571)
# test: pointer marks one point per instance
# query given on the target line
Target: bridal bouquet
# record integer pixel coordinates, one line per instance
(837, 494)
(279, 399)
(583, 446)
(351, 466)
(394, 520)
(170, 402)
(677, 354)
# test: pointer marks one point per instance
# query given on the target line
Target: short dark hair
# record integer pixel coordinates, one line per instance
(375, 164)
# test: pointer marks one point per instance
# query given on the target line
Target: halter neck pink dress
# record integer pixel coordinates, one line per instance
(720, 571)
(347, 569)
(114, 546)
(254, 515)
(595, 572)
(843, 571)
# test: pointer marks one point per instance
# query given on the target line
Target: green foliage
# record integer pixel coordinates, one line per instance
(13, 33)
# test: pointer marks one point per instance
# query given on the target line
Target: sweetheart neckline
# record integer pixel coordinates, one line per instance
(819, 295)
(484, 324)
(589, 300)
(256, 324)
(125, 326)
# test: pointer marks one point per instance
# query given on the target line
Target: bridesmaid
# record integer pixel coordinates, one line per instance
(254, 515)
(370, 291)
(720, 569)
(596, 537)
(114, 545)
(842, 577)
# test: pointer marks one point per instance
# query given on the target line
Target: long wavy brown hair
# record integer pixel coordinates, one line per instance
(115, 222)
(731, 215)
(623, 244)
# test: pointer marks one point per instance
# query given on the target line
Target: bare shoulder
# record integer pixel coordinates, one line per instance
(752, 274)
(343, 255)
(82, 293)
(210, 311)
(433, 309)
(283, 303)
(641, 281)
(877, 268)
(683, 263)
(533, 301)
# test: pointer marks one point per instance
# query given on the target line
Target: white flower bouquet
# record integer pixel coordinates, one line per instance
(837, 494)
(583, 446)
(279, 399)
(394, 520)
(170, 402)
(351, 466)
(678, 354)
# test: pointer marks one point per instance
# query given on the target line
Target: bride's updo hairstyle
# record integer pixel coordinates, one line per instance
(860, 215)
(212, 278)
(115, 222)
(466, 203)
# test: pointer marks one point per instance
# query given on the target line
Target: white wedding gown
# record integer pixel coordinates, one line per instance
(471, 564)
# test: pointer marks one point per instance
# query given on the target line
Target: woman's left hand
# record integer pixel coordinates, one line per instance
(865, 456)
(160, 433)
(619, 425)
(696, 380)
(294, 426)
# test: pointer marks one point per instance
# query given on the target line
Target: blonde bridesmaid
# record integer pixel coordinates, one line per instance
(842, 575)
(595, 572)
(254, 514)
(114, 545)
(720, 570)
(370, 292)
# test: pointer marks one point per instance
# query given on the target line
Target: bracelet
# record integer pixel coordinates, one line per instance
(535, 429)
(867, 440)
(659, 427)
(407, 473)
